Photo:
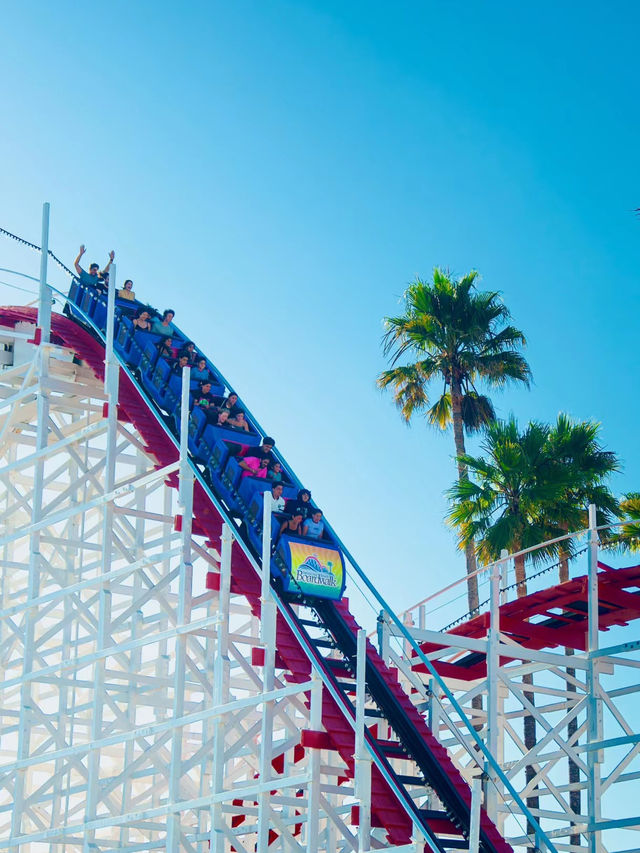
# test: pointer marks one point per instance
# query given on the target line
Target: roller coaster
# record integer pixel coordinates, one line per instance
(170, 681)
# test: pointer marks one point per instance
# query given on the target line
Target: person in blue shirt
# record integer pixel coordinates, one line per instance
(275, 471)
(313, 527)
(165, 325)
(201, 371)
(93, 278)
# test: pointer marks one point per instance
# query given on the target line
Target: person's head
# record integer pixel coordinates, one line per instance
(239, 416)
(168, 315)
(296, 519)
(276, 490)
(276, 467)
(268, 443)
(232, 399)
(223, 417)
(143, 314)
(128, 285)
(183, 361)
(316, 515)
(202, 363)
(205, 387)
(168, 343)
(264, 462)
(93, 269)
(304, 495)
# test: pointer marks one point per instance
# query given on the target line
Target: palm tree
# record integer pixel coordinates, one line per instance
(458, 336)
(531, 487)
(506, 506)
(576, 444)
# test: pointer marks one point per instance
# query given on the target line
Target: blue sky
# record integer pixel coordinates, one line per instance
(277, 172)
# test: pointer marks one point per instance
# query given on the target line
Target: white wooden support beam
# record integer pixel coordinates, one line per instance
(384, 633)
(33, 583)
(313, 795)
(498, 570)
(185, 588)
(221, 690)
(268, 616)
(474, 825)
(594, 703)
(111, 387)
(44, 293)
(361, 756)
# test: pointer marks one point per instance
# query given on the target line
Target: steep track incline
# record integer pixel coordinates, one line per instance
(296, 648)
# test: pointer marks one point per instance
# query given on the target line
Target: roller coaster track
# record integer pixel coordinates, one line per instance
(547, 619)
(296, 649)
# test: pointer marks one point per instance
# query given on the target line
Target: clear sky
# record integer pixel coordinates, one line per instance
(277, 172)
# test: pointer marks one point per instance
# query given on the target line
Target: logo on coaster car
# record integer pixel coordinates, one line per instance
(313, 570)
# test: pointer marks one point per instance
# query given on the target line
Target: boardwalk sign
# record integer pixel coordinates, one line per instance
(316, 570)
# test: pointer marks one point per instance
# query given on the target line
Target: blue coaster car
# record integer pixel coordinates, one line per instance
(309, 567)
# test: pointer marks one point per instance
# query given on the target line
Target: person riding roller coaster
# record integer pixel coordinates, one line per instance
(264, 451)
(94, 278)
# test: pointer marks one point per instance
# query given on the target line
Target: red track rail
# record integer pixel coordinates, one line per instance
(549, 618)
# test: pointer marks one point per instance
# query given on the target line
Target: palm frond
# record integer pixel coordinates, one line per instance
(500, 368)
(477, 411)
(628, 537)
(439, 414)
(408, 383)
(533, 485)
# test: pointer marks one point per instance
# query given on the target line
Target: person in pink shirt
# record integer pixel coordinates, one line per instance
(255, 467)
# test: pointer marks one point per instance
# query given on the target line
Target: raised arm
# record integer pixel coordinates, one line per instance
(76, 263)
(112, 255)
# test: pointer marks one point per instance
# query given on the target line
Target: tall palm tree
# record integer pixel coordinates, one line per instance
(451, 333)
(505, 505)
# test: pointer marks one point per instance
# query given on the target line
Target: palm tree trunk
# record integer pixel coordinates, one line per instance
(533, 801)
(458, 437)
(575, 799)
(521, 576)
(469, 550)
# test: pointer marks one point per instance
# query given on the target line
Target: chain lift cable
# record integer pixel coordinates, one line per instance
(515, 585)
(33, 246)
